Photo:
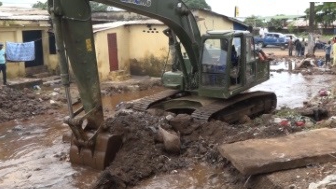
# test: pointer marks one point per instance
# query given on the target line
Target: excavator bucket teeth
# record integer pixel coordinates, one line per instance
(106, 147)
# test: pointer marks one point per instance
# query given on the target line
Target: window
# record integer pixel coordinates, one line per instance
(249, 48)
(214, 60)
(250, 60)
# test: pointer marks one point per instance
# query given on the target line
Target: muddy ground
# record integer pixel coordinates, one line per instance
(21, 104)
(143, 155)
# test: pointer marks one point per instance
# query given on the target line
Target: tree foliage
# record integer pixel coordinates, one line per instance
(94, 6)
(325, 13)
(275, 24)
(254, 21)
(0, 3)
(97, 7)
(40, 5)
(197, 4)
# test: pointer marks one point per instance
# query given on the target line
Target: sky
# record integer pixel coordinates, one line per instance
(259, 7)
(226, 7)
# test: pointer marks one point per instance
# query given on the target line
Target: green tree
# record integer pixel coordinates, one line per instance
(40, 5)
(94, 6)
(197, 4)
(275, 24)
(98, 7)
(0, 3)
(325, 13)
(254, 21)
(291, 27)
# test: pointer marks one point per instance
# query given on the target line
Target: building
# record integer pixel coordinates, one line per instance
(124, 47)
(25, 25)
(126, 43)
(138, 46)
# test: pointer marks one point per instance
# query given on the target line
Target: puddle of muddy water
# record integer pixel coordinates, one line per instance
(110, 102)
(32, 155)
(293, 89)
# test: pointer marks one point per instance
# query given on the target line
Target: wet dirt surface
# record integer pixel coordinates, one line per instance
(34, 156)
(292, 89)
(142, 156)
(197, 176)
(32, 153)
(19, 104)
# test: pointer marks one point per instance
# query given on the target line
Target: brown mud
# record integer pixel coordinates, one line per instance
(17, 104)
(142, 156)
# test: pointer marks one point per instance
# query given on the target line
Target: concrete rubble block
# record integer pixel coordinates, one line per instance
(182, 123)
(171, 140)
(257, 156)
(267, 118)
(25, 83)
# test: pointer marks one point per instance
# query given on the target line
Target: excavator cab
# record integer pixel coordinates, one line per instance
(229, 64)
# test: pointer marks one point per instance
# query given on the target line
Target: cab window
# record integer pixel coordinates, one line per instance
(214, 62)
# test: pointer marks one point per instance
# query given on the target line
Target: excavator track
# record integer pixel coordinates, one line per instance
(230, 110)
(144, 103)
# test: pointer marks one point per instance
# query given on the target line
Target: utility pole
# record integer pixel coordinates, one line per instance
(236, 12)
(311, 40)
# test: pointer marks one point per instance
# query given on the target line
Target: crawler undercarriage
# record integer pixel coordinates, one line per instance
(251, 104)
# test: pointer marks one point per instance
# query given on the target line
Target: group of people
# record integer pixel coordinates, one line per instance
(299, 46)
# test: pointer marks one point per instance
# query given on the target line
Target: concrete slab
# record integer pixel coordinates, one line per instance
(24, 83)
(257, 156)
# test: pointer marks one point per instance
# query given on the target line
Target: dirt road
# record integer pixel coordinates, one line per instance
(284, 53)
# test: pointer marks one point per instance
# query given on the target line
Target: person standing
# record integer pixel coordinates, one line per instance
(327, 49)
(316, 43)
(297, 44)
(3, 64)
(334, 52)
(303, 47)
(171, 42)
(290, 46)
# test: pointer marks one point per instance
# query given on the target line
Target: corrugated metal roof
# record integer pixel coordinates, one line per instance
(305, 23)
(106, 26)
(20, 13)
(223, 16)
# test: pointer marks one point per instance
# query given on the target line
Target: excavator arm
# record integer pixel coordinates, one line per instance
(72, 26)
(74, 38)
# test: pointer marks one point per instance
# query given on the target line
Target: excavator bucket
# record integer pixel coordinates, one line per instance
(103, 152)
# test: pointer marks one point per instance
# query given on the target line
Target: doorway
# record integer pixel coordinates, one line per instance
(113, 51)
(34, 35)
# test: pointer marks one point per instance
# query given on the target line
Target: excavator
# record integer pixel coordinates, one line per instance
(214, 74)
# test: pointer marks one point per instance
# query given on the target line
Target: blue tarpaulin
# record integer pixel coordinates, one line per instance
(20, 51)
